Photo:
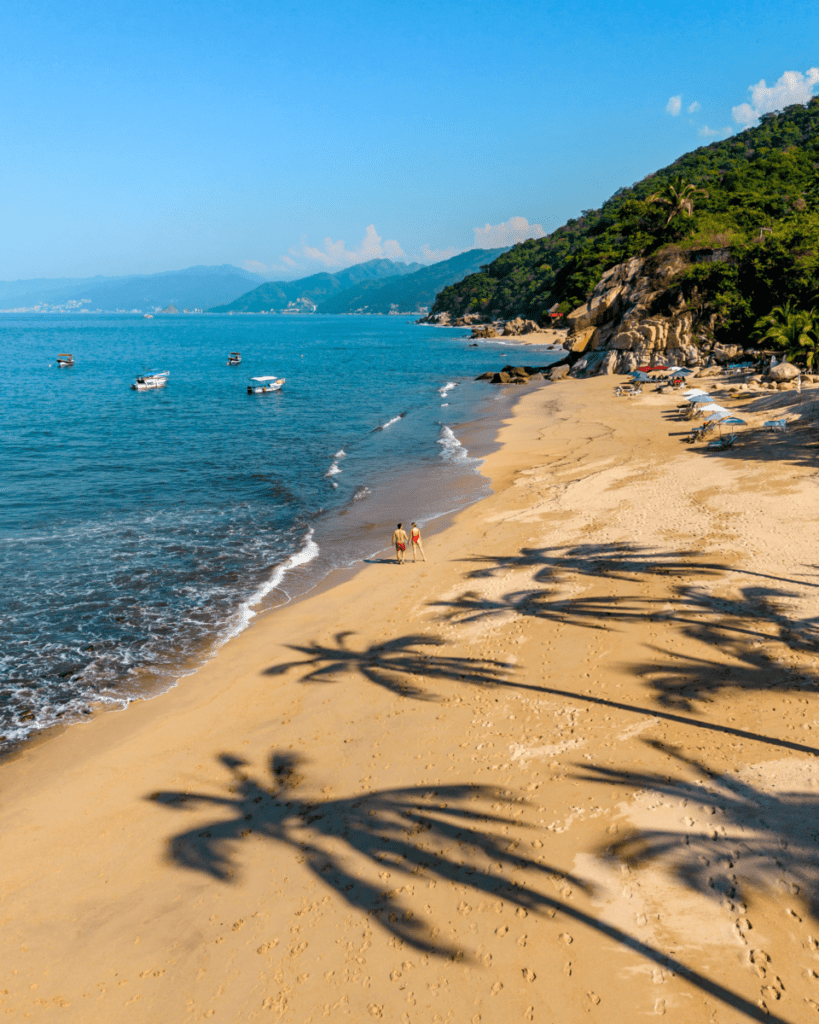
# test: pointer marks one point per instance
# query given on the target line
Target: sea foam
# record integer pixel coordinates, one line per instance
(308, 551)
(452, 447)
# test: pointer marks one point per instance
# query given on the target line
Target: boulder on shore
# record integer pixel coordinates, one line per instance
(784, 371)
(518, 326)
(484, 332)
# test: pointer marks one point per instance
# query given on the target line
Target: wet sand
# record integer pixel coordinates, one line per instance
(564, 770)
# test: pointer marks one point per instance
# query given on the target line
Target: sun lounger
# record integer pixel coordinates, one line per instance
(775, 425)
(698, 433)
(723, 442)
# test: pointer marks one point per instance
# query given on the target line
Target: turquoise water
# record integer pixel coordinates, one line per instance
(139, 530)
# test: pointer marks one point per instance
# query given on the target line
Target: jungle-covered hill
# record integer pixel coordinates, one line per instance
(408, 292)
(759, 208)
(278, 295)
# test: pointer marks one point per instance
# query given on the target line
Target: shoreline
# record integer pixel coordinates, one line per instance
(481, 431)
(468, 786)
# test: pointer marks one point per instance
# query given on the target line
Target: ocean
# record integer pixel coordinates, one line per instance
(140, 530)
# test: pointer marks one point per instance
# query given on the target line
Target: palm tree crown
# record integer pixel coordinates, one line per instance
(794, 330)
(678, 196)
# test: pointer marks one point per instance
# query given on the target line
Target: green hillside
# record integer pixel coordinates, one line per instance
(759, 208)
(277, 295)
(407, 293)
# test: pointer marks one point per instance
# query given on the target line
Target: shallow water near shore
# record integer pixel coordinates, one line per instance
(140, 530)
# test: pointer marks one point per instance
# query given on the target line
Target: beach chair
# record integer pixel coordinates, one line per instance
(723, 442)
(698, 433)
(775, 425)
(635, 392)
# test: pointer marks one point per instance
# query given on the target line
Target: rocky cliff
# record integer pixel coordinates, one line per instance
(639, 314)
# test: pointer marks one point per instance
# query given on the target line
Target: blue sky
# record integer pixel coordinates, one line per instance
(290, 137)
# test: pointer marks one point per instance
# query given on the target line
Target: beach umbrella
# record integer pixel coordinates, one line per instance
(713, 407)
(694, 391)
(695, 399)
(732, 422)
(641, 377)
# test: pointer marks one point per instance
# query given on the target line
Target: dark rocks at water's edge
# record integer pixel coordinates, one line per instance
(518, 374)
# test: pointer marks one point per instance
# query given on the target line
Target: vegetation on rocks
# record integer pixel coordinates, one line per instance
(794, 330)
(738, 218)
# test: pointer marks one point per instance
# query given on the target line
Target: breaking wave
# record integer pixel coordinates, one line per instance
(389, 423)
(452, 447)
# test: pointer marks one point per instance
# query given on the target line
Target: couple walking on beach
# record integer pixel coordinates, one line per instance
(400, 540)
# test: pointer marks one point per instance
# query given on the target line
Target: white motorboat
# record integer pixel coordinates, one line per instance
(151, 381)
(263, 385)
(234, 358)
(65, 359)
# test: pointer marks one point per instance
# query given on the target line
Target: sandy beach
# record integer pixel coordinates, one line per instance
(564, 770)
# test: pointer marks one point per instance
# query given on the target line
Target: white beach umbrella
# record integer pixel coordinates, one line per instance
(694, 391)
(715, 409)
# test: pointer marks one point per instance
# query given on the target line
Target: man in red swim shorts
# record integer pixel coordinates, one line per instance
(399, 539)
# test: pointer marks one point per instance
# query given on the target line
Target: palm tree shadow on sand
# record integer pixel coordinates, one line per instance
(447, 833)
(394, 665)
(443, 832)
(752, 837)
(739, 629)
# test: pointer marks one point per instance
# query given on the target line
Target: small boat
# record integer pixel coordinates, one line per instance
(65, 359)
(147, 316)
(234, 358)
(151, 381)
(262, 385)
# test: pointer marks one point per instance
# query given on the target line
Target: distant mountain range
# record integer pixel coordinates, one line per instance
(307, 292)
(378, 286)
(409, 293)
(194, 288)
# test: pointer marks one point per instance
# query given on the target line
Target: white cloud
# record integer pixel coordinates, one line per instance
(255, 267)
(335, 254)
(706, 133)
(674, 105)
(792, 87)
(436, 255)
(693, 107)
(516, 229)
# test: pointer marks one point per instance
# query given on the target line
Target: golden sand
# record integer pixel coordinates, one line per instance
(564, 771)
